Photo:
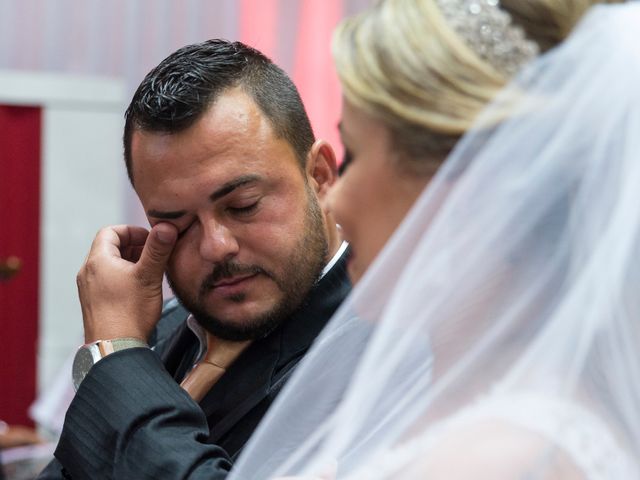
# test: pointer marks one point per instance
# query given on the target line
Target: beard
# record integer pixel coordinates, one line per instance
(300, 273)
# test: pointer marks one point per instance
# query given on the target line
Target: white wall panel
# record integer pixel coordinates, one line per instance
(81, 192)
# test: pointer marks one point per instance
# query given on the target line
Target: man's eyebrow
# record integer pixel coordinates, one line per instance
(229, 187)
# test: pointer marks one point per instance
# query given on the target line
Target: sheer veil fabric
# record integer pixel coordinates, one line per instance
(497, 335)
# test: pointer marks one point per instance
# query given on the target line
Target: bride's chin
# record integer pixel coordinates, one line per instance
(354, 270)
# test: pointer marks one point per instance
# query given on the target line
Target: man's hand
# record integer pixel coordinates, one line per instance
(120, 283)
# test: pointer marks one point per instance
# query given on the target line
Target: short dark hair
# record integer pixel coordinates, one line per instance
(175, 94)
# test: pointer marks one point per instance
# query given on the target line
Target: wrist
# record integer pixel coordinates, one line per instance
(91, 353)
(107, 335)
(109, 346)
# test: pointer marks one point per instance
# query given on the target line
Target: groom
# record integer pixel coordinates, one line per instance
(222, 156)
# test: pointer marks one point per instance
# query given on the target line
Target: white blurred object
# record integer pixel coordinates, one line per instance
(51, 405)
(25, 463)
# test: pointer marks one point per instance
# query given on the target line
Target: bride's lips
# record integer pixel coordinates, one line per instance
(352, 269)
(351, 257)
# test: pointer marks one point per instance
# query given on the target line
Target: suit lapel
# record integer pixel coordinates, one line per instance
(179, 354)
(247, 382)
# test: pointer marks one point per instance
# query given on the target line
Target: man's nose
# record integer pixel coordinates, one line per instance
(218, 242)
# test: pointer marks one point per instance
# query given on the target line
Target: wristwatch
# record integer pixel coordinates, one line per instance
(91, 353)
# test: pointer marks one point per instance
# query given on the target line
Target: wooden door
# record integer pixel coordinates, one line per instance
(20, 139)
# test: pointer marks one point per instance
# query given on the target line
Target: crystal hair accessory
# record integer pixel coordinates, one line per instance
(490, 33)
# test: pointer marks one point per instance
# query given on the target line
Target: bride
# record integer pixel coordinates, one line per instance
(494, 329)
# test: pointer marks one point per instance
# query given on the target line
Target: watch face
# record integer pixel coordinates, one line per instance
(82, 363)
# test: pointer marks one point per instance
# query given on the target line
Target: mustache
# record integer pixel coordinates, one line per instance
(229, 270)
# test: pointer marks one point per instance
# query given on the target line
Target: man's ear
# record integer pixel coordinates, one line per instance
(321, 168)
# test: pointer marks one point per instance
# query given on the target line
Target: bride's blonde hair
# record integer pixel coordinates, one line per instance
(403, 62)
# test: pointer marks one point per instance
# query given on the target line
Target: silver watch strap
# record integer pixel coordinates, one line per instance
(116, 344)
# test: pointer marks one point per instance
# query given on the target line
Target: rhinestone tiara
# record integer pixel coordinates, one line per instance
(490, 33)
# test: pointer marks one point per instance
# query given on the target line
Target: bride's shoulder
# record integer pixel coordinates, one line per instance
(513, 436)
(473, 443)
(490, 448)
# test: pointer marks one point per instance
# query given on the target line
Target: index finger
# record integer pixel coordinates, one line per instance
(116, 239)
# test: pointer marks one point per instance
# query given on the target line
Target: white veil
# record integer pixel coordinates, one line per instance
(500, 327)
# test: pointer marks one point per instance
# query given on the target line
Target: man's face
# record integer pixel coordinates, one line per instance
(252, 238)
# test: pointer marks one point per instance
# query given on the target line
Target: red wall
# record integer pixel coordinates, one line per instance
(20, 237)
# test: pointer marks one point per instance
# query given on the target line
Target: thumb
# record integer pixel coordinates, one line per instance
(156, 252)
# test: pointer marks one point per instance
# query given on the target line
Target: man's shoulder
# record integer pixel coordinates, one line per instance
(173, 315)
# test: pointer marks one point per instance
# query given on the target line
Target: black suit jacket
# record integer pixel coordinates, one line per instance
(131, 419)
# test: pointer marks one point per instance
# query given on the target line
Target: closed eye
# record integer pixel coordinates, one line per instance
(185, 230)
(346, 161)
(244, 210)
